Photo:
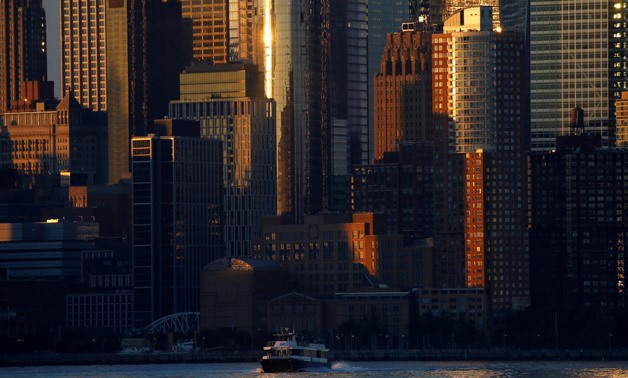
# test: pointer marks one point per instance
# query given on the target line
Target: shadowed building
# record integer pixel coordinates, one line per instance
(147, 46)
(229, 102)
(328, 253)
(235, 293)
(400, 186)
(22, 48)
(177, 206)
(579, 225)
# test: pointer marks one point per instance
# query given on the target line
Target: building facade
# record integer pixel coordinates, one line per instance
(578, 225)
(403, 90)
(48, 142)
(46, 250)
(147, 45)
(400, 186)
(621, 114)
(577, 58)
(23, 48)
(84, 52)
(329, 253)
(480, 165)
(177, 206)
(228, 100)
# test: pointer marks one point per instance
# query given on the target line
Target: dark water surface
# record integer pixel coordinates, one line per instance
(542, 369)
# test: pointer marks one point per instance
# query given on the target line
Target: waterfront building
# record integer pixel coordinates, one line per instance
(235, 293)
(177, 206)
(480, 161)
(49, 250)
(577, 58)
(22, 48)
(578, 225)
(229, 102)
(329, 253)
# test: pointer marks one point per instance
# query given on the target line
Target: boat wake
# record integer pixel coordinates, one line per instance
(345, 366)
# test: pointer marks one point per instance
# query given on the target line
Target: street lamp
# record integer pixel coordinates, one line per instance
(610, 350)
(505, 335)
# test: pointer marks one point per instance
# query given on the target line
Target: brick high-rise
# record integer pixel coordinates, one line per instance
(480, 172)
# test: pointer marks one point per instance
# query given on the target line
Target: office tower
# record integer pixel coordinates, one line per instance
(177, 205)
(400, 186)
(300, 47)
(480, 161)
(621, 113)
(403, 90)
(229, 101)
(346, 98)
(318, 66)
(148, 45)
(84, 52)
(577, 58)
(579, 225)
(22, 47)
(52, 140)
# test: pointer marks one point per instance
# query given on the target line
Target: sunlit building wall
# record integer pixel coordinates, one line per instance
(84, 52)
(621, 112)
(578, 53)
(403, 90)
(384, 16)
(480, 159)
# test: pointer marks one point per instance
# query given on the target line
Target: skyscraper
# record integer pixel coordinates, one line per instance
(300, 43)
(22, 47)
(148, 45)
(229, 101)
(403, 90)
(210, 28)
(84, 51)
(480, 170)
(578, 54)
(177, 203)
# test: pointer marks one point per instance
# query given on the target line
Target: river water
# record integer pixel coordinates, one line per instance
(533, 369)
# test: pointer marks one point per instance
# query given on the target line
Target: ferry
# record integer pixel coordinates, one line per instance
(287, 354)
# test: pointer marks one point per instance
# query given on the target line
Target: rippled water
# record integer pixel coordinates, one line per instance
(548, 369)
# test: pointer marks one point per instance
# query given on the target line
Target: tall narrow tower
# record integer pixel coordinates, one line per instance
(22, 47)
(480, 161)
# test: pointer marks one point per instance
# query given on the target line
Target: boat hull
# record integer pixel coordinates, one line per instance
(283, 365)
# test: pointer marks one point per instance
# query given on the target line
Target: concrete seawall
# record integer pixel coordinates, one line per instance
(42, 359)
